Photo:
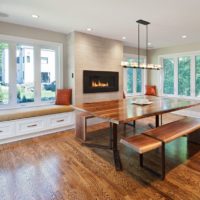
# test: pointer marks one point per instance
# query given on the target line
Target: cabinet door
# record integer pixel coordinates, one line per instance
(7, 129)
(60, 120)
(31, 125)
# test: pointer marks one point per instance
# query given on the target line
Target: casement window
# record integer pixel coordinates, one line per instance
(134, 78)
(30, 72)
(181, 75)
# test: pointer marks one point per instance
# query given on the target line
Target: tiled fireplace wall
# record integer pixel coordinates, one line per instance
(88, 52)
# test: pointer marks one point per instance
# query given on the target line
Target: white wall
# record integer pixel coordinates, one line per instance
(93, 53)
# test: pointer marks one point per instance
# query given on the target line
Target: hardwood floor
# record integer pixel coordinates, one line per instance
(58, 167)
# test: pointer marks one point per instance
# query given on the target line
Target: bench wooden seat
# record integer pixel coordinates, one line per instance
(174, 130)
(160, 136)
(141, 143)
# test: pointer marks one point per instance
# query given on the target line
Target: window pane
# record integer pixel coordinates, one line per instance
(48, 76)
(139, 80)
(4, 73)
(184, 76)
(129, 80)
(168, 70)
(197, 74)
(25, 74)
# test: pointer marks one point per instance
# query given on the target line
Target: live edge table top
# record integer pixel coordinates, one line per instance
(123, 110)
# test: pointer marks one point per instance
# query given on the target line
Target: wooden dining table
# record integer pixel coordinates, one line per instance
(123, 111)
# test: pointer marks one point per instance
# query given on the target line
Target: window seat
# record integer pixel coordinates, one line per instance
(23, 123)
(20, 113)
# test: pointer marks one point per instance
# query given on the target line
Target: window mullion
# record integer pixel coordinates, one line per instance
(134, 81)
(37, 77)
(192, 76)
(12, 75)
(176, 76)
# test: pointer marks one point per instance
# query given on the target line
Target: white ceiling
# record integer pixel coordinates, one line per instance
(170, 19)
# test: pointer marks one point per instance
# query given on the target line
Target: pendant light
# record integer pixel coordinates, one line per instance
(139, 64)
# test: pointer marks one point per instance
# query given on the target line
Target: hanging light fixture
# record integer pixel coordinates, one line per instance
(139, 64)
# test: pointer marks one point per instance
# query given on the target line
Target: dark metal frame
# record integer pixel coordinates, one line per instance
(141, 157)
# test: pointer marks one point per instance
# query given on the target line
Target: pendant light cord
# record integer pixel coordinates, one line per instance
(138, 45)
(147, 45)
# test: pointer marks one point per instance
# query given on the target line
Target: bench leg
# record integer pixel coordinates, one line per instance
(141, 160)
(111, 137)
(163, 161)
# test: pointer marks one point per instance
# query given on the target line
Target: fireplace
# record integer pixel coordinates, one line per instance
(100, 81)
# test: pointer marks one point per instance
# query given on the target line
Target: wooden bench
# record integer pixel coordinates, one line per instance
(158, 137)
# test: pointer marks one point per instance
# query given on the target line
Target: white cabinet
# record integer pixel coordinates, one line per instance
(35, 126)
(31, 125)
(7, 129)
(60, 120)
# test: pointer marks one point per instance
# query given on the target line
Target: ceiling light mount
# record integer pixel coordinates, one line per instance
(184, 36)
(35, 16)
(89, 29)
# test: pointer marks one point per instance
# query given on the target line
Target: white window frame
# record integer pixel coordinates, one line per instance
(144, 77)
(192, 74)
(12, 42)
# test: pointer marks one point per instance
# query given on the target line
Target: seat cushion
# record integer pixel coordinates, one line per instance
(141, 143)
(14, 114)
(63, 96)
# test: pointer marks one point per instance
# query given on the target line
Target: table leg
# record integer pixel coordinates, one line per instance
(157, 121)
(117, 160)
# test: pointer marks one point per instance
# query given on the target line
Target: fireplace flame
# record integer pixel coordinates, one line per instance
(99, 84)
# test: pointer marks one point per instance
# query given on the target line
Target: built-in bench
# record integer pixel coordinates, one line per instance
(21, 123)
(158, 137)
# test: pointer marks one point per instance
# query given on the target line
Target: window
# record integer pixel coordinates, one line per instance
(184, 76)
(129, 80)
(181, 75)
(134, 77)
(168, 68)
(197, 75)
(25, 75)
(4, 73)
(30, 72)
(48, 76)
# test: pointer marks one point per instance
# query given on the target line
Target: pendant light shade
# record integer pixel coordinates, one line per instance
(139, 64)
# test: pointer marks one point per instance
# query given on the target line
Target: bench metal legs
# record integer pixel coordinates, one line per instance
(162, 161)
(141, 160)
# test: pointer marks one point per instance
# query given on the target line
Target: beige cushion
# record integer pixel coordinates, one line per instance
(20, 113)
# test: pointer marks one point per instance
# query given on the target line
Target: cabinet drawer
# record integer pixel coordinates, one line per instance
(30, 126)
(6, 130)
(60, 120)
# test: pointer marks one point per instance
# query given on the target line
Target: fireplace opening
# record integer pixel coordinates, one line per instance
(100, 81)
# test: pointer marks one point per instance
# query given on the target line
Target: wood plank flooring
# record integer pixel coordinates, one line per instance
(57, 167)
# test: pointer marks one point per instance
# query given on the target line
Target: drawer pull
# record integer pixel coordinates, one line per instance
(61, 120)
(1, 131)
(33, 125)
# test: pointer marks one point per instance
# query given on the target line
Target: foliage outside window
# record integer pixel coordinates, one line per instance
(168, 71)
(184, 76)
(181, 75)
(4, 74)
(197, 77)
(134, 78)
